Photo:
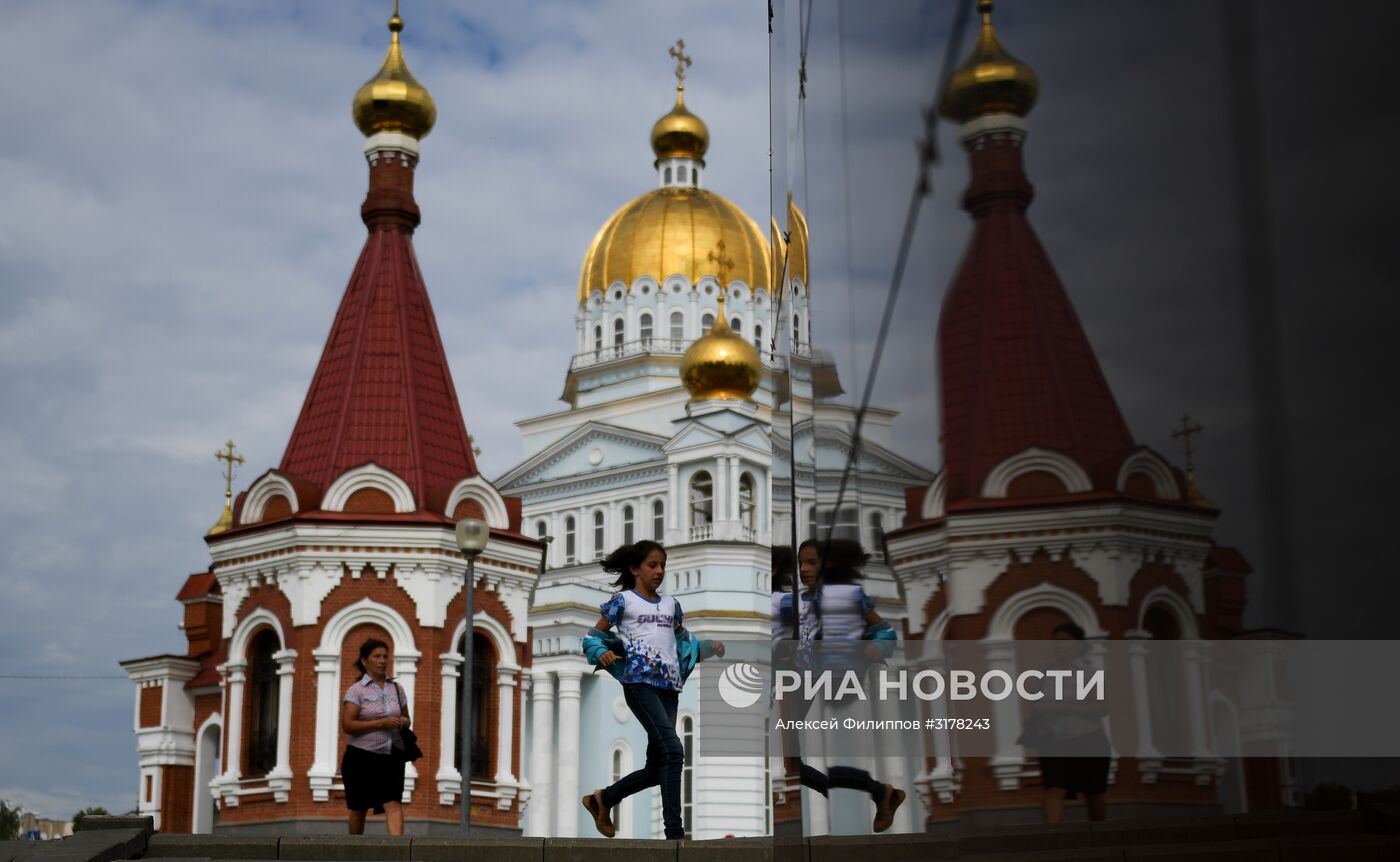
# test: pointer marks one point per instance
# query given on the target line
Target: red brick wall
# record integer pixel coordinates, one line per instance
(177, 798)
(150, 705)
(425, 710)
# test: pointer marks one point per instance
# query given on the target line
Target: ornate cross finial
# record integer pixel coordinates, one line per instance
(476, 450)
(1187, 435)
(682, 61)
(229, 457)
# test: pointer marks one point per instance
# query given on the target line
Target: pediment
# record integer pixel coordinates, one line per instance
(592, 448)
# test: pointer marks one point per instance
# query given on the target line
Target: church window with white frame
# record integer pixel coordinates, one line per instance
(570, 541)
(263, 690)
(746, 495)
(644, 322)
(758, 336)
(658, 520)
(677, 325)
(687, 734)
(618, 333)
(702, 499)
(599, 536)
(707, 323)
(619, 811)
(598, 337)
(629, 526)
(737, 325)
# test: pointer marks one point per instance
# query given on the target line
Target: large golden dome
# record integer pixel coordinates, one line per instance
(720, 365)
(671, 231)
(393, 101)
(990, 81)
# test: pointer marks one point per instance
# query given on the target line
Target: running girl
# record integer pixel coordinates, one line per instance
(652, 654)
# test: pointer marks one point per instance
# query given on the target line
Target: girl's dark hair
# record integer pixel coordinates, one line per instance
(1071, 629)
(622, 561)
(841, 559)
(784, 561)
(366, 648)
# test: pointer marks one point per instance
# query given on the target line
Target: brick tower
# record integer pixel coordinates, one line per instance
(350, 537)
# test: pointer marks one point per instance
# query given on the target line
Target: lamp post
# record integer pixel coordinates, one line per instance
(472, 536)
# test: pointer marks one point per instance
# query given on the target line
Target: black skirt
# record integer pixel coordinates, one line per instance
(1085, 773)
(370, 779)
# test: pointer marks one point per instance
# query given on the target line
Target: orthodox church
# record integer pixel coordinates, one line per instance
(680, 424)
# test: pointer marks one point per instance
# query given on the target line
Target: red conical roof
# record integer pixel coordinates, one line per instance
(382, 391)
(1017, 369)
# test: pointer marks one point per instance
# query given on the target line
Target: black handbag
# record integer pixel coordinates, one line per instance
(409, 750)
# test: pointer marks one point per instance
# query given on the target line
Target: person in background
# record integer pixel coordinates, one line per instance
(371, 714)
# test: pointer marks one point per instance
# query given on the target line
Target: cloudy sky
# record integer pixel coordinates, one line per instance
(182, 183)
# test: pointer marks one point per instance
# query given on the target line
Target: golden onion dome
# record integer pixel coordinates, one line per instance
(671, 231)
(393, 101)
(720, 365)
(989, 81)
(777, 256)
(680, 134)
(797, 242)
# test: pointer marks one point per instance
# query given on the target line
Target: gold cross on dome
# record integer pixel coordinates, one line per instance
(725, 264)
(229, 458)
(476, 450)
(682, 61)
(1187, 434)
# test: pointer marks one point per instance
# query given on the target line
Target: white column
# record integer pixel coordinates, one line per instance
(280, 778)
(580, 328)
(613, 529)
(721, 493)
(542, 753)
(1007, 762)
(505, 724)
(405, 673)
(449, 779)
(662, 327)
(1142, 702)
(322, 772)
(673, 483)
(736, 514)
(629, 333)
(692, 326)
(567, 755)
(237, 672)
(556, 547)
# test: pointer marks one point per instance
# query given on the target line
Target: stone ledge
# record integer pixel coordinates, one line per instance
(431, 849)
(93, 845)
(894, 847)
(212, 846)
(1255, 850)
(615, 849)
(345, 848)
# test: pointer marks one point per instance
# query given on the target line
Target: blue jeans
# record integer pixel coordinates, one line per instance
(655, 709)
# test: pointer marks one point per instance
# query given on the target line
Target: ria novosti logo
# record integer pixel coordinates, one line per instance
(741, 685)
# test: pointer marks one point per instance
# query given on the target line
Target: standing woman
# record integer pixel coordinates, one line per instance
(372, 712)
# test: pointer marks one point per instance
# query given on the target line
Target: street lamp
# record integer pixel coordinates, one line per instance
(472, 536)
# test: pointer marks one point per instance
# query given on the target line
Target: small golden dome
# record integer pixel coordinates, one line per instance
(670, 231)
(990, 81)
(720, 364)
(680, 134)
(393, 101)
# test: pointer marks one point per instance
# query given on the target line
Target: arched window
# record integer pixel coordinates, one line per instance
(598, 337)
(570, 541)
(598, 539)
(702, 499)
(758, 336)
(617, 772)
(680, 174)
(746, 513)
(262, 709)
(658, 520)
(483, 723)
(737, 325)
(677, 325)
(668, 176)
(645, 323)
(848, 523)
(629, 528)
(877, 534)
(796, 330)
(688, 771)
(617, 332)
(541, 529)
(706, 323)
(811, 522)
